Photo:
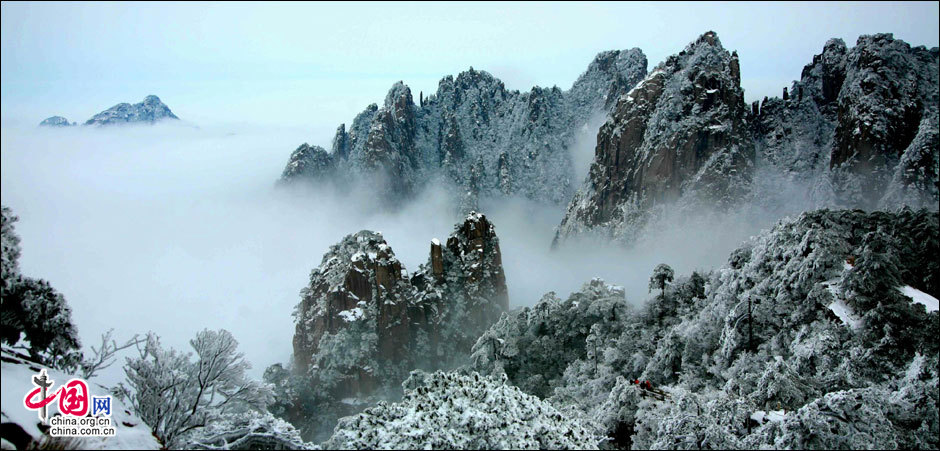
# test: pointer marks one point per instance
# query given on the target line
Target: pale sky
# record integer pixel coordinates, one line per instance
(314, 66)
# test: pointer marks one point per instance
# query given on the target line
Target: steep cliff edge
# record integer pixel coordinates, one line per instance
(858, 130)
(681, 133)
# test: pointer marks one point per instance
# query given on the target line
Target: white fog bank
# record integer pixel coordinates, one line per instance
(175, 229)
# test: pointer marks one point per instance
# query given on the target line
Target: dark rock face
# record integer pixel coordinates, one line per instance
(682, 132)
(859, 128)
(473, 271)
(363, 322)
(831, 72)
(513, 143)
(437, 260)
(151, 110)
(890, 95)
(865, 127)
(795, 135)
(56, 121)
(389, 152)
(882, 108)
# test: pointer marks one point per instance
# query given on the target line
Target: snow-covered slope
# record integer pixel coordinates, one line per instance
(919, 297)
(456, 411)
(17, 373)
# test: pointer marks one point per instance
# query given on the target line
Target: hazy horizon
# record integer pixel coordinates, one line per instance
(312, 67)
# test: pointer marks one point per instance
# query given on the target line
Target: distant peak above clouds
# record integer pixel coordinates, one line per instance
(151, 110)
(56, 121)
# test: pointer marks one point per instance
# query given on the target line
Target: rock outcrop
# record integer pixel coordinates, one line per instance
(795, 135)
(864, 123)
(56, 121)
(150, 111)
(476, 135)
(308, 160)
(860, 129)
(681, 133)
(363, 322)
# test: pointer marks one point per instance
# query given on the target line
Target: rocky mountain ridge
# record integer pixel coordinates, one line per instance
(473, 134)
(859, 129)
(150, 111)
(873, 110)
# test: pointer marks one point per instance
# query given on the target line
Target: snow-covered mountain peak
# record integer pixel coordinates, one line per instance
(475, 135)
(150, 110)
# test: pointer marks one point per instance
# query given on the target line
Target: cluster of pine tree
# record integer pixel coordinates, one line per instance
(753, 354)
(35, 317)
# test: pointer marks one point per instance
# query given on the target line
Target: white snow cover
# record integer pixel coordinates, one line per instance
(839, 307)
(132, 433)
(474, 216)
(845, 313)
(451, 410)
(776, 416)
(351, 315)
(920, 297)
(435, 241)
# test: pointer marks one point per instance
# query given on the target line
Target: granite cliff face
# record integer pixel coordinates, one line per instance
(474, 135)
(151, 110)
(364, 322)
(681, 133)
(796, 134)
(859, 129)
(861, 122)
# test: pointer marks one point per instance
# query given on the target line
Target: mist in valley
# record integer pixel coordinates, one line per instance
(173, 228)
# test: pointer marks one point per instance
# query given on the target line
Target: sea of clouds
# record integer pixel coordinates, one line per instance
(174, 228)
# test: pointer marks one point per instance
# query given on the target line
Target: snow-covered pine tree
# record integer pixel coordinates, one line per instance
(32, 310)
(10, 255)
(662, 275)
(534, 345)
